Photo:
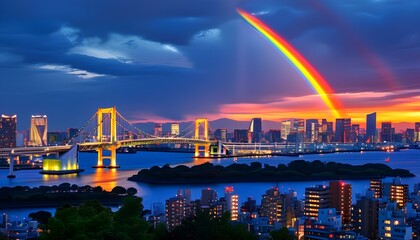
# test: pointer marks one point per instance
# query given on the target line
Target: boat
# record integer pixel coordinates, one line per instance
(387, 159)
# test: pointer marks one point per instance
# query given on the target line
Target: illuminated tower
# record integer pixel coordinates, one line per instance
(102, 114)
(8, 131)
(175, 211)
(255, 129)
(312, 129)
(285, 128)
(157, 130)
(316, 198)
(39, 129)
(342, 129)
(376, 187)
(174, 129)
(417, 132)
(202, 122)
(232, 203)
(221, 134)
(386, 132)
(399, 194)
(341, 199)
(371, 127)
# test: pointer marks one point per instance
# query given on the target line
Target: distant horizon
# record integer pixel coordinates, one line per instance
(398, 128)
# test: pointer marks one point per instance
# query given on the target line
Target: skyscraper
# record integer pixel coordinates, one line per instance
(386, 132)
(255, 128)
(240, 135)
(316, 198)
(365, 217)
(221, 134)
(174, 129)
(208, 197)
(376, 187)
(8, 131)
(175, 211)
(341, 199)
(232, 203)
(371, 127)
(286, 125)
(39, 129)
(325, 131)
(342, 129)
(417, 132)
(157, 130)
(312, 129)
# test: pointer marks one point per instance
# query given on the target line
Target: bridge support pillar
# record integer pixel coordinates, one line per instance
(206, 150)
(11, 167)
(113, 163)
(100, 163)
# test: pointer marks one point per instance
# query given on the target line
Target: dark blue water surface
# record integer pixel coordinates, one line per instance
(132, 163)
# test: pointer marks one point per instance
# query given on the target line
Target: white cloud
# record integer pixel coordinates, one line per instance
(131, 50)
(72, 71)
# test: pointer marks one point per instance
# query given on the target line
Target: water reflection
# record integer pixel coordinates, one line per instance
(106, 178)
(48, 178)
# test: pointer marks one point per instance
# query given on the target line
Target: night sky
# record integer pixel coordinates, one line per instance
(166, 60)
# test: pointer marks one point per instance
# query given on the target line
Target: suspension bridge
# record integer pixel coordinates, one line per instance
(109, 132)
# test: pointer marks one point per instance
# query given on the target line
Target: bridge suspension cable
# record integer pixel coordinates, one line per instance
(82, 129)
(97, 125)
(131, 125)
(184, 133)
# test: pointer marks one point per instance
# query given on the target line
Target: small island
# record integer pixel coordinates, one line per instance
(55, 196)
(298, 170)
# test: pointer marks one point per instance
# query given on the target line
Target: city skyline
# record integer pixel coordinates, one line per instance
(175, 62)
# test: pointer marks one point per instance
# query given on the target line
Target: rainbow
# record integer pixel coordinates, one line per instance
(303, 66)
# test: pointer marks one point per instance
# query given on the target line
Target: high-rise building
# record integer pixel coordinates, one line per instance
(312, 130)
(72, 133)
(365, 217)
(399, 194)
(39, 129)
(376, 187)
(240, 135)
(316, 197)
(392, 225)
(417, 132)
(371, 128)
(326, 130)
(208, 197)
(174, 129)
(255, 129)
(221, 134)
(232, 203)
(157, 130)
(342, 130)
(8, 131)
(54, 138)
(175, 212)
(274, 136)
(271, 205)
(354, 133)
(298, 125)
(286, 126)
(409, 135)
(341, 200)
(386, 132)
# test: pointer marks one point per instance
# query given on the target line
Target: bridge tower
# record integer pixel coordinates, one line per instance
(198, 147)
(113, 145)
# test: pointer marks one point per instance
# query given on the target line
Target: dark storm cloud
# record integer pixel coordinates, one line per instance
(163, 21)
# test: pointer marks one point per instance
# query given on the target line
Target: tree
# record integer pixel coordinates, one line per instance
(282, 234)
(41, 216)
(131, 191)
(119, 190)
